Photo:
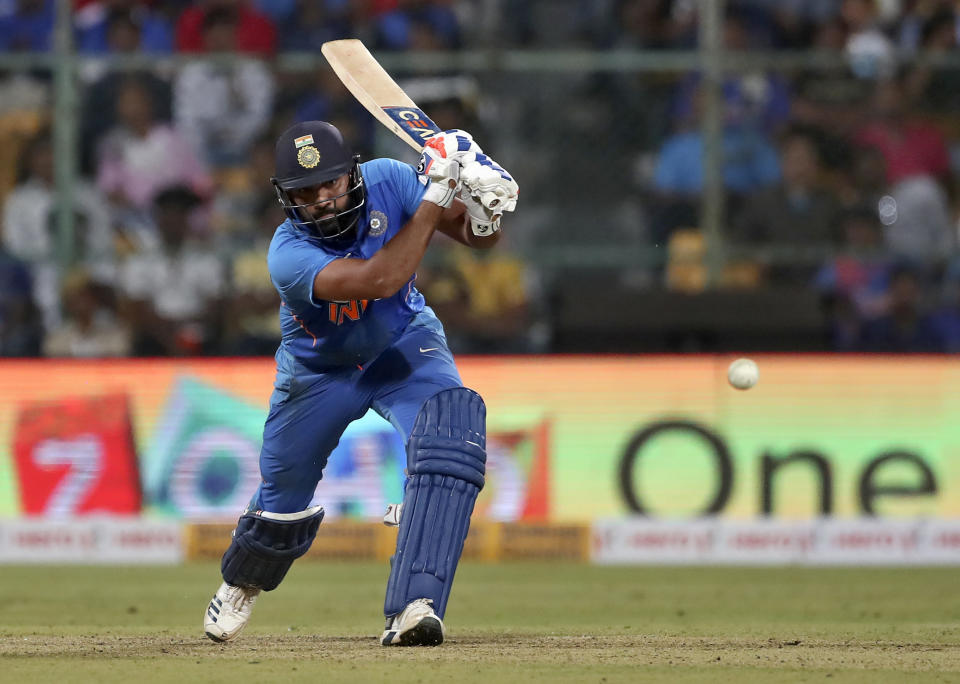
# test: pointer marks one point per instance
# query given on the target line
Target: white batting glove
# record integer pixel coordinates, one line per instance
(489, 182)
(483, 221)
(444, 175)
(453, 144)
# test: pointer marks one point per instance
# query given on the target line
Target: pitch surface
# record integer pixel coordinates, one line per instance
(512, 622)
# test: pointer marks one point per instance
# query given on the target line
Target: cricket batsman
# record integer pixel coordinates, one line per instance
(358, 335)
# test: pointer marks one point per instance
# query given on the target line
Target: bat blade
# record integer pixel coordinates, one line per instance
(377, 91)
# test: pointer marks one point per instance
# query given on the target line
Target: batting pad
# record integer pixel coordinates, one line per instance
(265, 545)
(446, 462)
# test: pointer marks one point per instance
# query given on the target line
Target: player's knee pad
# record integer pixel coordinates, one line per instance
(446, 463)
(265, 545)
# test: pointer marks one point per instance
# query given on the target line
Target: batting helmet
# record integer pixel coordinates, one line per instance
(311, 153)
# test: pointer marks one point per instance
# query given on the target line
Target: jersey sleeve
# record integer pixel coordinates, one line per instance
(293, 267)
(408, 185)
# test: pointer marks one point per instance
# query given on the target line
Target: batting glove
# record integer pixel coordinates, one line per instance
(489, 182)
(453, 144)
(444, 175)
(483, 221)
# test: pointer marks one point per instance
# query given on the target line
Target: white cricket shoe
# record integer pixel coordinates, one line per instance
(229, 612)
(416, 625)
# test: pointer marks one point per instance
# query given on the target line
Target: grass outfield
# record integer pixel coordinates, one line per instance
(531, 622)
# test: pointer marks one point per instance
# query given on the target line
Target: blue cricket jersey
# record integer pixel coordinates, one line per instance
(322, 334)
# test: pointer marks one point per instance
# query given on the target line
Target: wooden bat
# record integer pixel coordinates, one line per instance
(378, 92)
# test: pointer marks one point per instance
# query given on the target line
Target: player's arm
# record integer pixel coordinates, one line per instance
(383, 274)
(455, 223)
(389, 269)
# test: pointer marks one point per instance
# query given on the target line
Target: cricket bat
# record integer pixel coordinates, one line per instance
(378, 92)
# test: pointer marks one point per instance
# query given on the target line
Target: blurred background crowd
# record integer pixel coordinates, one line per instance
(838, 146)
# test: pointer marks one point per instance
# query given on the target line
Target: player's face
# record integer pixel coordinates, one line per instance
(325, 199)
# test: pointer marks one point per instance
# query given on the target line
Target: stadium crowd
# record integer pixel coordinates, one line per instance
(839, 179)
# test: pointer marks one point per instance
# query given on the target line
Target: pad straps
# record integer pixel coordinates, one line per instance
(265, 545)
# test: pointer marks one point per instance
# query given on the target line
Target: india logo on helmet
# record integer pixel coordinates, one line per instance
(308, 156)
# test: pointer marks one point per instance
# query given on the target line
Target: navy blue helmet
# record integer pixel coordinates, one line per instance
(310, 153)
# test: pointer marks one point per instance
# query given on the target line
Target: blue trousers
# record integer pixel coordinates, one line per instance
(309, 411)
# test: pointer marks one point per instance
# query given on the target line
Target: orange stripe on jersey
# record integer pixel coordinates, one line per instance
(300, 323)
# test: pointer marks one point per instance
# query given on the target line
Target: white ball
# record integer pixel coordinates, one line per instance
(743, 374)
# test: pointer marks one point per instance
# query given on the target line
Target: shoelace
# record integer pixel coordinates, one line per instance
(238, 597)
(420, 601)
(428, 603)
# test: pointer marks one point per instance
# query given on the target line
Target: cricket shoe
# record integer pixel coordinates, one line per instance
(229, 612)
(416, 625)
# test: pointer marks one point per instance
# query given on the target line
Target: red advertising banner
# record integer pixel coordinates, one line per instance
(75, 456)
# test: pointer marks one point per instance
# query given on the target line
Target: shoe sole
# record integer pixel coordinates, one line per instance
(214, 637)
(427, 632)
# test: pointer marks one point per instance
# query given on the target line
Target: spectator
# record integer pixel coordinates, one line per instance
(870, 52)
(171, 296)
(418, 25)
(794, 22)
(23, 92)
(28, 216)
(326, 99)
(90, 328)
(24, 111)
(797, 215)
(314, 22)
(830, 97)
(907, 326)
(521, 29)
(632, 24)
(858, 176)
(26, 25)
(487, 299)
(917, 165)
(100, 98)
(854, 282)
(122, 26)
(916, 214)
(251, 319)
(250, 31)
(913, 25)
(910, 145)
(749, 164)
(758, 100)
(245, 198)
(947, 315)
(797, 211)
(936, 88)
(20, 323)
(281, 11)
(29, 220)
(141, 156)
(222, 109)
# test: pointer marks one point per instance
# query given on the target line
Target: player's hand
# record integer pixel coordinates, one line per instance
(453, 144)
(444, 175)
(489, 183)
(483, 221)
